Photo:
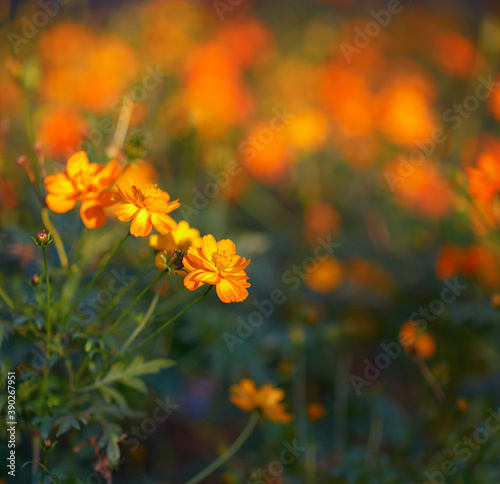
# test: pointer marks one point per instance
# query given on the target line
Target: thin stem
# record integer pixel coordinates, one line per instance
(7, 299)
(113, 303)
(171, 320)
(44, 467)
(132, 304)
(144, 321)
(99, 272)
(61, 252)
(229, 452)
(431, 380)
(49, 328)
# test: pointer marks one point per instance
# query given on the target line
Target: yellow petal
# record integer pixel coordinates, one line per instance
(77, 163)
(126, 212)
(141, 225)
(59, 204)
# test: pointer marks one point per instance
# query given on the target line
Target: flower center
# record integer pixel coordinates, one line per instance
(220, 260)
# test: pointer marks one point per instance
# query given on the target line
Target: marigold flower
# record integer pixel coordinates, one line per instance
(180, 238)
(148, 208)
(85, 182)
(266, 399)
(216, 263)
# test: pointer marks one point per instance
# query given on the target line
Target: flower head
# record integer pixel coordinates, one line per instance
(216, 263)
(84, 182)
(266, 399)
(148, 208)
(415, 342)
(180, 238)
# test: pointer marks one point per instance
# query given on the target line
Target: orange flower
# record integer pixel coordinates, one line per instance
(216, 263)
(315, 411)
(84, 182)
(417, 343)
(266, 399)
(148, 208)
(182, 237)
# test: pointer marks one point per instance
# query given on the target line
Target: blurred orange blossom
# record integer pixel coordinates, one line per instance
(246, 396)
(85, 182)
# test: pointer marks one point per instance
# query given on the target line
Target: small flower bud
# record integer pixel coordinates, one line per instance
(35, 280)
(42, 238)
(176, 258)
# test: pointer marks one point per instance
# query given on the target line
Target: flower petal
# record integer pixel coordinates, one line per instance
(107, 175)
(163, 223)
(92, 214)
(208, 246)
(60, 185)
(230, 291)
(226, 246)
(126, 212)
(77, 163)
(60, 204)
(191, 283)
(141, 225)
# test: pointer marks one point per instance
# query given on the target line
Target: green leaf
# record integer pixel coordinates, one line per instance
(110, 394)
(121, 373)
(136, 384)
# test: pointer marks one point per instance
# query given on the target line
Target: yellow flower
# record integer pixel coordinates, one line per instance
(148, 208)
(180, 238)
(266, 399)
(216, 263)
(84, 182)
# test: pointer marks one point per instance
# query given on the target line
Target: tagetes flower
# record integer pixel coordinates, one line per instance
(146, 208)
(180, 238)
(266, 399)
(83, 182)
(216, 263)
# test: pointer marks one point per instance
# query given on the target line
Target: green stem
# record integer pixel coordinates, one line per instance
(144, 321)
(42, 477)
(49, 328)
(7, 299)
(55, 235)
(99, 272)
(132, 304)
(113, 303)
(170, 321)
(229, 452)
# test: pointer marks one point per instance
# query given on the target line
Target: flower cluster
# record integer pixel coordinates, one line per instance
(181, 248)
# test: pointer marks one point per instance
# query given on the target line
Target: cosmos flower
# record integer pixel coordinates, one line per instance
(216, 263)
(146, 208)
(83, 182)
(266, 399)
